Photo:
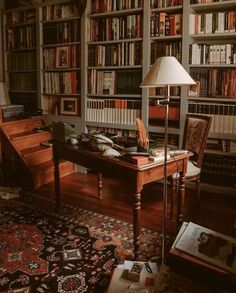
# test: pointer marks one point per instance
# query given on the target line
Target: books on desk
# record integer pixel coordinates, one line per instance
(134, 276)
(206, 247)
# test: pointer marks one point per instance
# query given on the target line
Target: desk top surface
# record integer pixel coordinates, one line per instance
(79, 153)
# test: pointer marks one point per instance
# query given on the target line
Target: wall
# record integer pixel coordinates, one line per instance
(1, 41)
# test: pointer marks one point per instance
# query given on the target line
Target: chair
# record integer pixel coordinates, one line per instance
(196, 131)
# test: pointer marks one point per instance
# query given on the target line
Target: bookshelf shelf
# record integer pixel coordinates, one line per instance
(115, 13)
(61, 44)
(216, 6)
(115, 41)
(169, 9)
(211, 37)
(176, 37)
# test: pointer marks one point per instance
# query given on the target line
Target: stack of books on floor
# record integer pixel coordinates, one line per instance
(134, 276)
(206, 247)
(206, 255)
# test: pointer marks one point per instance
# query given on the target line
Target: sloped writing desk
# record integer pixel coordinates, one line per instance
(135, 176)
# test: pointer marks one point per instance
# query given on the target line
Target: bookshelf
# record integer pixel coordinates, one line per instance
(165, 39)
(114, 65)
(61, 58)
(212, 63)
(119, 42)
(21, 51)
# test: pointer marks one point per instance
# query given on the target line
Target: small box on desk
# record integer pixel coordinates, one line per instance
(139, 160)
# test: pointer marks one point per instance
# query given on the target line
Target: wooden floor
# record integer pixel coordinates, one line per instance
(217, 211)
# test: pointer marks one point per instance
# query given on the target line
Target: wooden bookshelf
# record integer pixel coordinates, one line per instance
(212, 62)
(118, 45)
(61, 58)
(21, 51)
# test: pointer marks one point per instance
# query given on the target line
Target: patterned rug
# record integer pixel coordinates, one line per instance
(71, 252)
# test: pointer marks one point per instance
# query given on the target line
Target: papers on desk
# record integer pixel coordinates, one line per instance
(134, 276)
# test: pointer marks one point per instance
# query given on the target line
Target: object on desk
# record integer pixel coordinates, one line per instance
(143, 141)
(138, 160)
(206, 247)
(111, 153)
(62, 132)
(46, 144)
(146, 281)
(178, 152)
(158, 159)
(157, 152)
(100, 143)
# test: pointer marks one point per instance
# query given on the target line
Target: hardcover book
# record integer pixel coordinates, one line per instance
(217, 250)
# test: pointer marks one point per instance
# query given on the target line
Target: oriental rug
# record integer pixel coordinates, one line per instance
(73, 251)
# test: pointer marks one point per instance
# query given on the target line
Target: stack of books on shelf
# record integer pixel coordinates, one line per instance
(11, 111)
(206, 248)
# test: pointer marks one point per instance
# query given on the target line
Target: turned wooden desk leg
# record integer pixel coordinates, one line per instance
(56, 181)
(99, 185)
(181, 199)
(136, 222)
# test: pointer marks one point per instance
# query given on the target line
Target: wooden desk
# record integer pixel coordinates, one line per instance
(136, 176)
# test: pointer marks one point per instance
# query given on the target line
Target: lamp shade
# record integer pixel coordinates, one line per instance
(167, 71)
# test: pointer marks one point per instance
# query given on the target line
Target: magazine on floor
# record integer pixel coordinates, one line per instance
(208, 245)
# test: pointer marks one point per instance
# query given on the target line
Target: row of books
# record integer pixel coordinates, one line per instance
(21, 37)
(21, 17)
(171, 48)
(59, 11)
(52, 57)
(223, 116)
(61, 32)
(158, 113)
(25, 60)
(115, 28)
(165, 3)
(163, 24)
(114, 81)
(62, 82)
(117, 111)
(212, 54)
(219, 170)
(98, 6)
(159, 139)
(222, 145)
(212, 23)
(121, 54)
(22, 82)
(215, 82)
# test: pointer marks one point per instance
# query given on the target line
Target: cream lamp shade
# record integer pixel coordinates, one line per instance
(167, 71)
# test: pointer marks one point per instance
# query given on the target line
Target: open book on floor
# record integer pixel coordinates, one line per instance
(206, 247)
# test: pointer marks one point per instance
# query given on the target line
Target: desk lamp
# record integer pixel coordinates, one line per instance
(166, 72)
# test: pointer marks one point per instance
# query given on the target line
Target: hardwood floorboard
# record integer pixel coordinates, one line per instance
(217, 212)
